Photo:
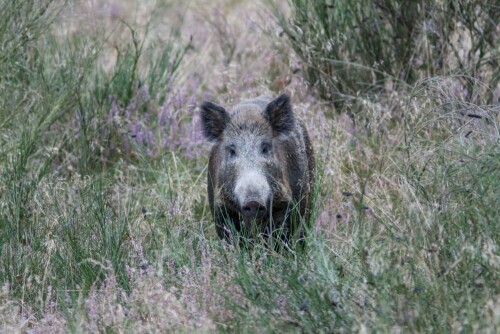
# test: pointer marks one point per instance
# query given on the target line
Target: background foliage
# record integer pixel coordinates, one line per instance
(366, 47)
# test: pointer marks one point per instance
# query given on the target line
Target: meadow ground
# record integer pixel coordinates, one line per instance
(104, 222)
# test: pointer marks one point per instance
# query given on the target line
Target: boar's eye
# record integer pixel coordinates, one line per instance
(231, 151)
(266, 148)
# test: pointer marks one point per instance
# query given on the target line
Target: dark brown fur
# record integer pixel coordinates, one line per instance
(259, 139)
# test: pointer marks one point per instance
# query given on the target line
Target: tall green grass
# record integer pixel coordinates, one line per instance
(371, 47)
(54, 109)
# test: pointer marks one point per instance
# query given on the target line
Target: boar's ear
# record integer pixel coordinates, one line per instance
(279, 114)
(214, 120)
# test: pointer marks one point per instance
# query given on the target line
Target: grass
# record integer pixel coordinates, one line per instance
(369, 47)
(104, 222)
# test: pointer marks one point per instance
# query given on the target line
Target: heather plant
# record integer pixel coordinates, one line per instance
(139, 112)
(144, 127)
(371, 47)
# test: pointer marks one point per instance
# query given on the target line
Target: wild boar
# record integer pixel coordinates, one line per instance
(261, 169)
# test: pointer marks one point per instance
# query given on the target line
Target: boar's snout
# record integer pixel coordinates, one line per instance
(253, 209)
(253, 193)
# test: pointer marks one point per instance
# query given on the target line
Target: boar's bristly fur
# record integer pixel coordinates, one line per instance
(261, 168)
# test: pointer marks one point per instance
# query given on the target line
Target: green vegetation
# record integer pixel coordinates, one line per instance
(104, 223)
(352, 48)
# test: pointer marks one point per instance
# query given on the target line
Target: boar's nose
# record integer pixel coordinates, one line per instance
(253, 209)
